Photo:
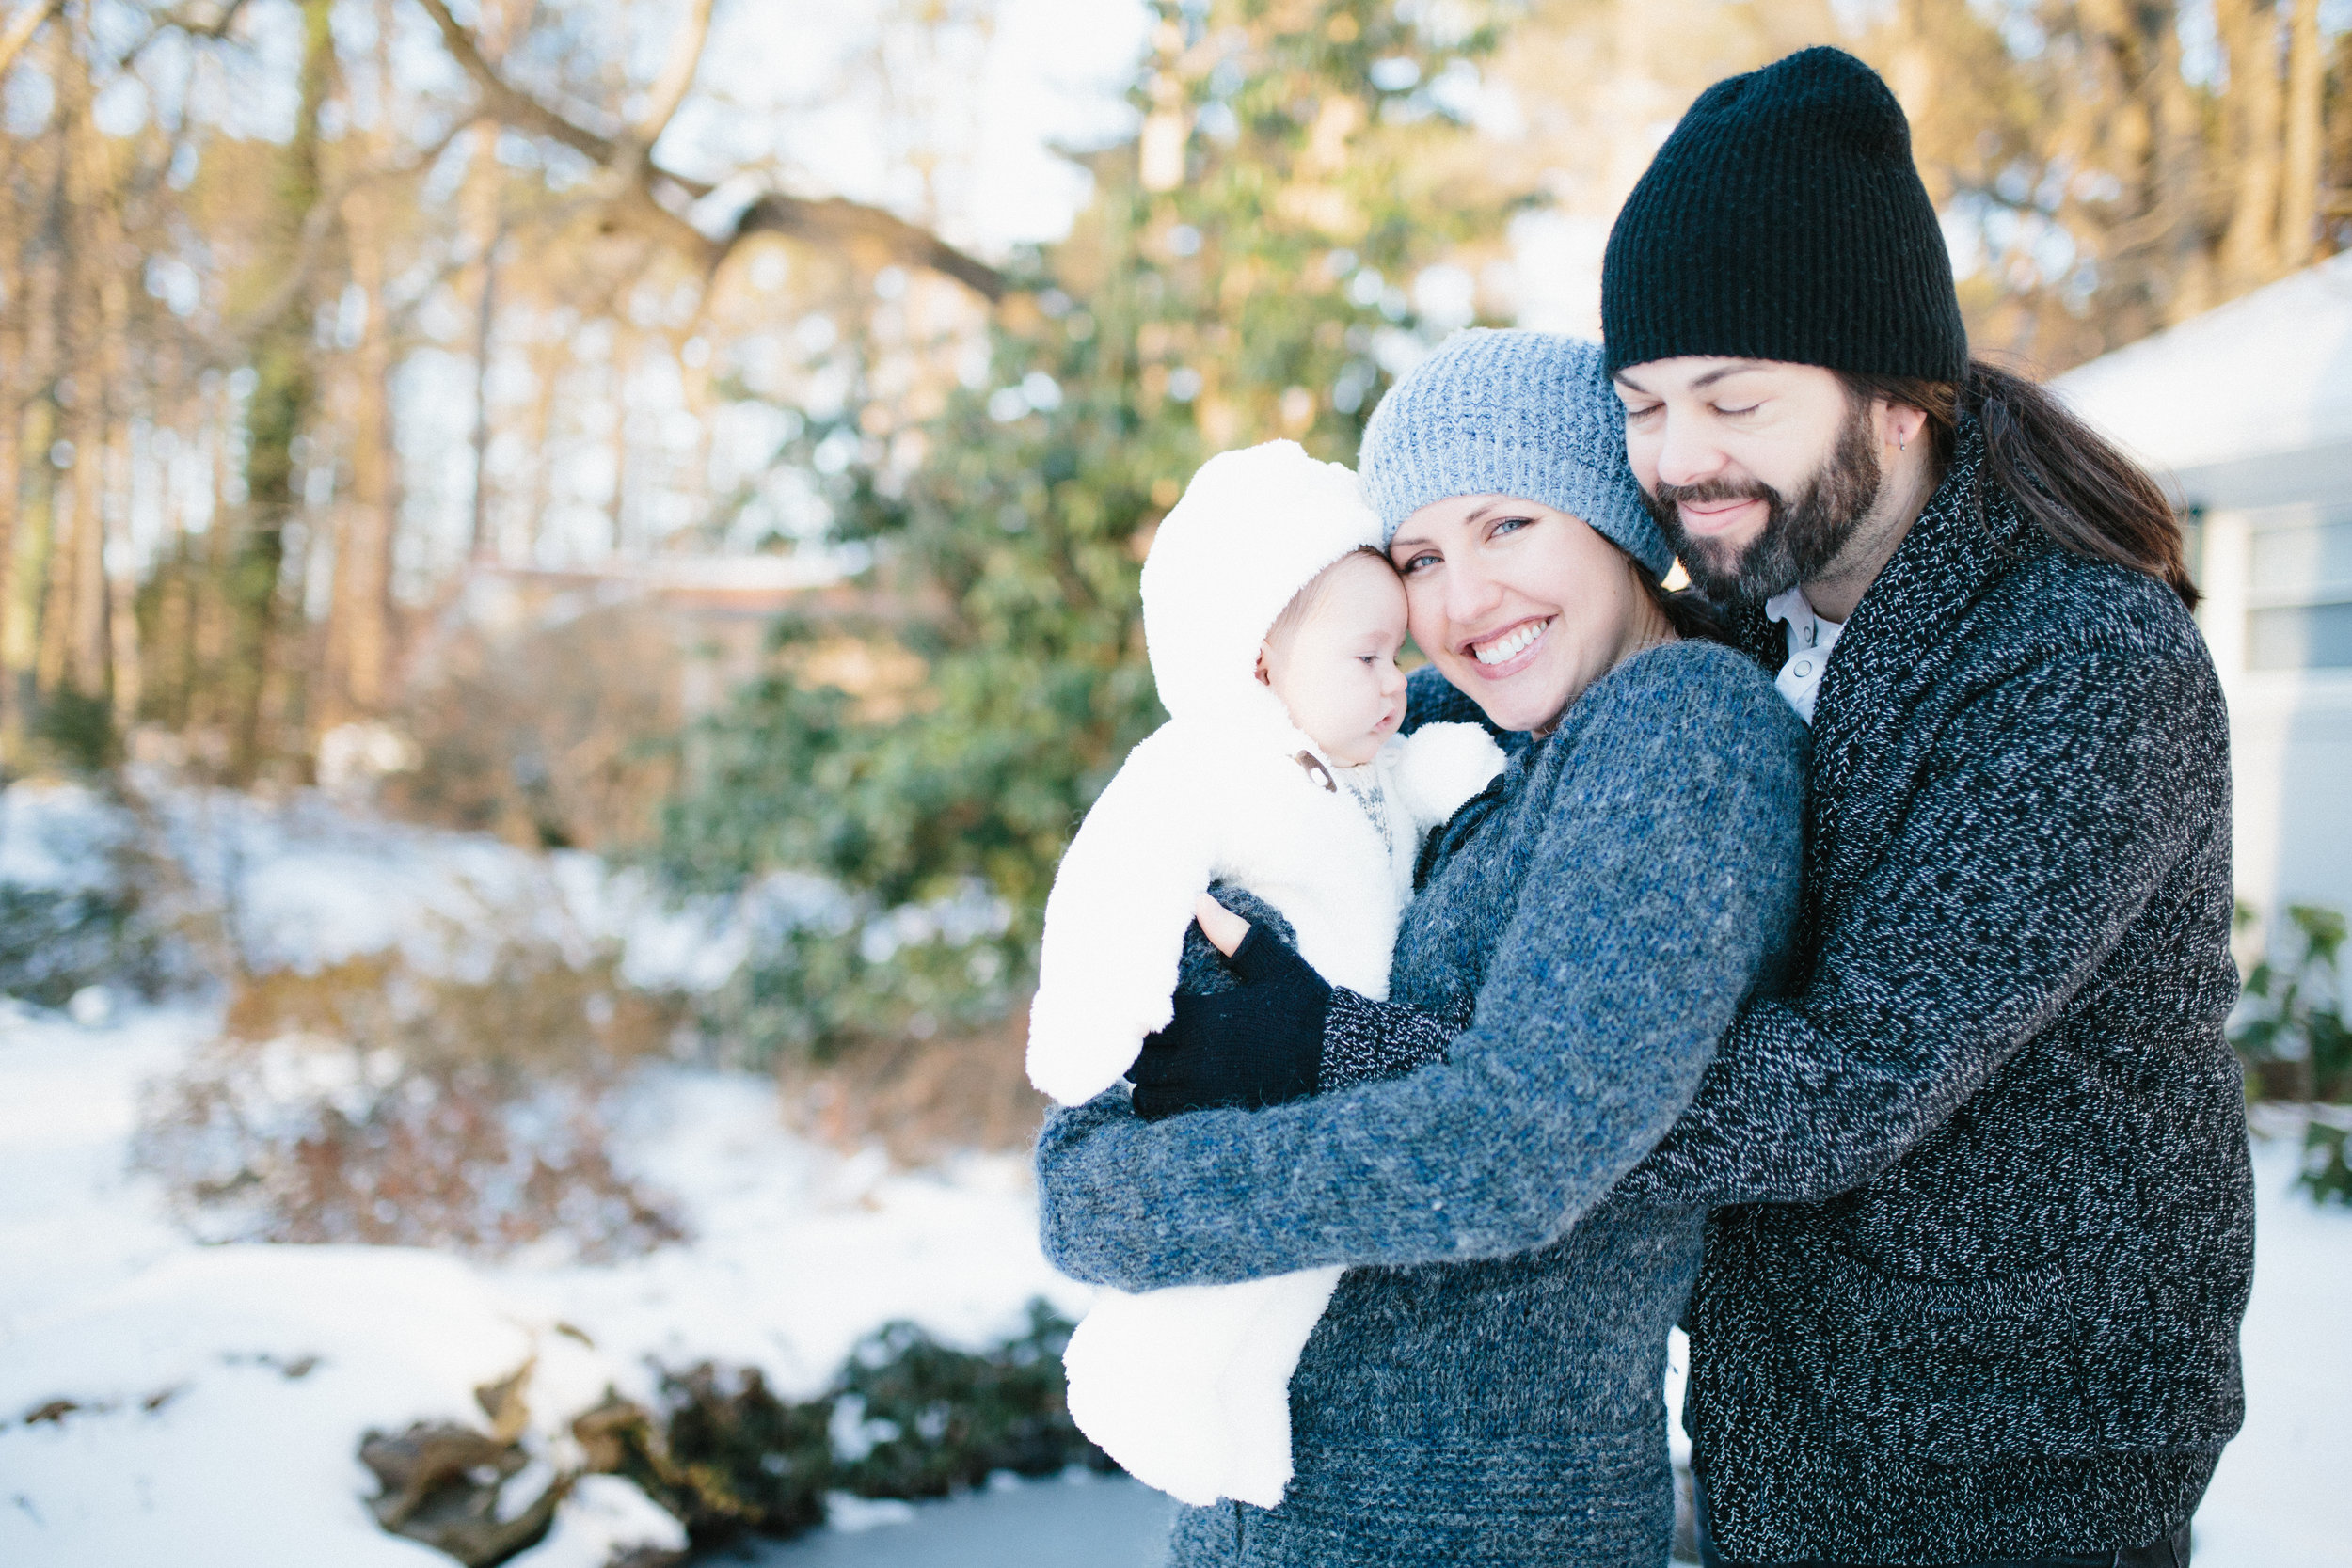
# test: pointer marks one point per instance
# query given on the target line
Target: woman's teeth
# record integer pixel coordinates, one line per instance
(1511, 644)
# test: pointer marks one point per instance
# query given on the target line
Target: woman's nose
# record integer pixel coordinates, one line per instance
(1470, 593)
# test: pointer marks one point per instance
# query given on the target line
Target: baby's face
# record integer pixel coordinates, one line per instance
(1335, 669)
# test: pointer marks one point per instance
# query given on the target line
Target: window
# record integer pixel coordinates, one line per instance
(2300, 596)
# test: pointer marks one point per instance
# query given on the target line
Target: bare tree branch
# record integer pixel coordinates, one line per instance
(232, 340)
(835, 222)
(20, 31)
(677, 76)
(633, 181)
(209, 20)
(508, 102)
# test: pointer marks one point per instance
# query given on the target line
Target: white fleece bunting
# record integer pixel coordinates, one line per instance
(1188, 1389)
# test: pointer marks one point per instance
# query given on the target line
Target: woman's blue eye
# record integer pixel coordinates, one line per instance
(1415, 564)
(1511, 525)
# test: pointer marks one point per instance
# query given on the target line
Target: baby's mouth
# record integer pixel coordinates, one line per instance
(1503, 649)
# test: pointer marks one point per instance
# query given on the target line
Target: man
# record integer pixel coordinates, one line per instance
(1976, 1297)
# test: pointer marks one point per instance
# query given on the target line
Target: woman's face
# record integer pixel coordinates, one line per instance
(1519, 605)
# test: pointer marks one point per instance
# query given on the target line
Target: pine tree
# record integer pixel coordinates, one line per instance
(1239, 275)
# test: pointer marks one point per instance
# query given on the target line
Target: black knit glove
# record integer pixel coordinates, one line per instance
(1258, 1045)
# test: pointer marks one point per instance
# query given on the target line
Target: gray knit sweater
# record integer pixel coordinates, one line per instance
(1486, 1385)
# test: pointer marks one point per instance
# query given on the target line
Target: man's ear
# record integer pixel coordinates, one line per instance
(1901, 423)
(1263, 679)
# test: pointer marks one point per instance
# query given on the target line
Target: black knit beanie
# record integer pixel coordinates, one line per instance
(1783, 219)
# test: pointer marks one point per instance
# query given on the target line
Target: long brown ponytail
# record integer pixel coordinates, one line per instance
(2086, 496)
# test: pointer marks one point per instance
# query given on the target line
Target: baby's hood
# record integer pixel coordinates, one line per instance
(1254, 527)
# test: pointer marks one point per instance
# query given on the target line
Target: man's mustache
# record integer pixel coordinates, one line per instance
(1709, 491)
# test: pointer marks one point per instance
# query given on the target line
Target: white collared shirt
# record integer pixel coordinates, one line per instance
(1811, 638)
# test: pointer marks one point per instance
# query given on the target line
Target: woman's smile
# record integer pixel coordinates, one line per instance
(1509, 651)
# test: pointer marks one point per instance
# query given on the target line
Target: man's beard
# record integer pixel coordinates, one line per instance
(1800, 538)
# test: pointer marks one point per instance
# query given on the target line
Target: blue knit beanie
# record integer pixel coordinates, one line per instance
(1525, 414)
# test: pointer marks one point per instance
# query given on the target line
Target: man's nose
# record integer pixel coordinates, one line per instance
(1687, 452)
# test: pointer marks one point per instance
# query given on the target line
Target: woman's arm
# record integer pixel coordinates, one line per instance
(1668, 868)
(2014, 873)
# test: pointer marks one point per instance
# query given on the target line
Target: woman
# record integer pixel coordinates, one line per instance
(1485, 1387)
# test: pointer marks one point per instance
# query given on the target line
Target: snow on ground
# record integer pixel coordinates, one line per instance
(218, 1393)
(221, 1391)
(2278, 1494)
(205, 1403)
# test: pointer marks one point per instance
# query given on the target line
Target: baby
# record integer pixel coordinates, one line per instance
(1273, 623)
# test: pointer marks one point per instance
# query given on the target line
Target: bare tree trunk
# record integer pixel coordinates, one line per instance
(623, 361)
(112, 587)
(359, 619)
(2299, 198)
(548, 367)
(211, 631)
(2250, 249)
(34, 419)
(284, 392)
(14, 383)
(63, 554)
(1913, 73)
(86, 667)
(87, 426)
(2336, 152)
(2181, 162)
(123, 589)
(485, 327)
(2110, 126)
(31, 645)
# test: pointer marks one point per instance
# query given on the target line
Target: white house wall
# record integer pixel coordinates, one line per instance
(2290, 735)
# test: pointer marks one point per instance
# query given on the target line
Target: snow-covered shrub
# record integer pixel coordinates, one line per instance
(55, 942)
(723, 1452)
(373, 1103)
(931, 1418)
(85, 897)
(908, 1417)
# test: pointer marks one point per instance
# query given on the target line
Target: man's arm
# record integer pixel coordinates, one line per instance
(2056, 804)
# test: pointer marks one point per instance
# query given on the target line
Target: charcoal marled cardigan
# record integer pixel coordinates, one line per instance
(1988, 1307)
(1977, 1298)
(1485, 1387)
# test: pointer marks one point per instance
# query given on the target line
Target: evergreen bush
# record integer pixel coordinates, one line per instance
(2289, 1030)
(1255, 291)
(54, 941)
(908, 1417)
